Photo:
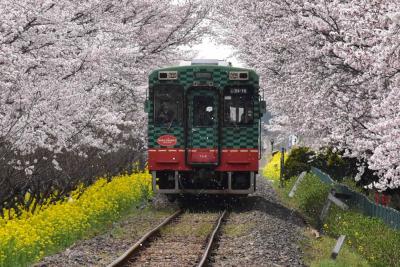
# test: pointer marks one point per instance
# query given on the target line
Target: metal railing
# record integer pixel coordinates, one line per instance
(360, 202)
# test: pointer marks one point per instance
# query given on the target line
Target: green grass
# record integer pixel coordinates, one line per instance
(369, 242)
(236, 230)
(309, 197)
(190, 226)
(317, 252)
(369, 236)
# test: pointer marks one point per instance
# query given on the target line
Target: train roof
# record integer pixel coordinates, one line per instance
(205, 68)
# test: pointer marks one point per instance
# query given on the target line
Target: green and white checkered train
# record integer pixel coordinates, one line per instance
(204, 128)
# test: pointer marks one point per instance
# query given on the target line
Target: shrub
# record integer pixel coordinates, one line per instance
(335, 164)
(298, 161)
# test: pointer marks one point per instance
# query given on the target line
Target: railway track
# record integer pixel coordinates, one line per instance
(183, 239)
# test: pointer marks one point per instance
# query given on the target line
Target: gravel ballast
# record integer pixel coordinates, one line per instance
(103, 249)
(258, 231)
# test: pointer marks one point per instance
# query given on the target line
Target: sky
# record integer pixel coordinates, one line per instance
(209, 49)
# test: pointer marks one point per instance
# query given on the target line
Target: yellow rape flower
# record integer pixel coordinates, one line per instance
(29, 237)
(272, 169)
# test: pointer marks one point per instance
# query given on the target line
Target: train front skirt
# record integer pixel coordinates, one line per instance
(203, 181)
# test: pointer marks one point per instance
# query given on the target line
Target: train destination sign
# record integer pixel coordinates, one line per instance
(203, 75)
(166, 140)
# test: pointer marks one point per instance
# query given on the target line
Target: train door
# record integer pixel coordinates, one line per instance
(202, 126)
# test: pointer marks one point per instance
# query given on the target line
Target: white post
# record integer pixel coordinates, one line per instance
(296, 184)
(338, 246)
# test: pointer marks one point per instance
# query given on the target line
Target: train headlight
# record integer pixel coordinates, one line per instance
(239, 75)
(167, 75)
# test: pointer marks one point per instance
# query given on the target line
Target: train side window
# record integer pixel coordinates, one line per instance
(203, 111)
(168, 106)
(238, 106)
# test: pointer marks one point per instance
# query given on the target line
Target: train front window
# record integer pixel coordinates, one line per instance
(238, 106)
(203, 111)
(168, 106)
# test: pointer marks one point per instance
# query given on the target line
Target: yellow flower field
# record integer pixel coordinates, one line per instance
(30, 237)
(272, 170)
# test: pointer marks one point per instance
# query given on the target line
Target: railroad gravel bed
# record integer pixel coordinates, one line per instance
(101, 250)
(259, 231)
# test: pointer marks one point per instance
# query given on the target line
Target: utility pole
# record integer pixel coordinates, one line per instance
(282, 166)
(272, 146)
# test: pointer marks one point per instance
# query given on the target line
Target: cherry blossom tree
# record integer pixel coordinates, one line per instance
(73, 79)
(329, 70)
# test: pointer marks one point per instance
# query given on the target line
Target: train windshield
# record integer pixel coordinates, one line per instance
(238, 106)
(168, 106)
(203, 111)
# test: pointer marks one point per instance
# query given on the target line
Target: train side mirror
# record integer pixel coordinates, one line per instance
(146, 106)
(263, 107)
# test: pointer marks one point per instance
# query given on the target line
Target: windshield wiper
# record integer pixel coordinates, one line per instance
(170, 124)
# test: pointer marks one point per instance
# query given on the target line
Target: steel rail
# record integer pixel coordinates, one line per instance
(124, 257)
(211, 241)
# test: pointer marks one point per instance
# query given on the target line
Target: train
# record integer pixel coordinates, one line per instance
(204, 129)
